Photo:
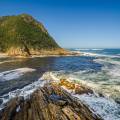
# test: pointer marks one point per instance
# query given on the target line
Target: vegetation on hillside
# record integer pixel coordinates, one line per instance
(24, 32)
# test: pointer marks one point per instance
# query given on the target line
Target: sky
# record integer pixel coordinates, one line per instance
(73, 23)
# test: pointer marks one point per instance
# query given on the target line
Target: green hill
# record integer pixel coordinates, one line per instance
(22, 34)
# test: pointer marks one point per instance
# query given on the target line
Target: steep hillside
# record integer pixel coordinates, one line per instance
(23, 35)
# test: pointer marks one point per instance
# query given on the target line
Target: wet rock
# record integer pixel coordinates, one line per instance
(79, 89)
(59, 100)
(50, 102)
(21, 99)
(77, 109)
(70, 114)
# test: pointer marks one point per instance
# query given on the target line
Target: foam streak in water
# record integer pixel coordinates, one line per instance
(14, 74)
(24, 92)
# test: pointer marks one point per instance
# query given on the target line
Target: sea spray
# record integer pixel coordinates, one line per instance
(106, 107)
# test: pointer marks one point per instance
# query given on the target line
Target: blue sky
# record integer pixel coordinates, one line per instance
(73, 23)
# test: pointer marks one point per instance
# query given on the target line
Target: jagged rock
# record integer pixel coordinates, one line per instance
(67, 84)
(70, 114)
(48, 103)
(79, 89)
(56, 99)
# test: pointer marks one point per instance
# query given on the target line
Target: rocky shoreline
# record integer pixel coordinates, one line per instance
(52, 101)
(42, 53)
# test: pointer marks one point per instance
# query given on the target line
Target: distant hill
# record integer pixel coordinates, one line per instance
(23, 35)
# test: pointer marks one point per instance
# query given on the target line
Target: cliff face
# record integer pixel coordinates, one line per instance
(22, 34)
(50, 102)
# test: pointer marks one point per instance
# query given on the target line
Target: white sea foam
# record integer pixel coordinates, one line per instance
(26, 91)
(49, 76)
(101, 82)
(106, 108)
(14, 74)
(98, 55)
(86, 49)
(75, 77)
(118, 54)
(97, 49)
(18, 108)
(89, 54)
(113, 71)
(78, 49)
(107, 60)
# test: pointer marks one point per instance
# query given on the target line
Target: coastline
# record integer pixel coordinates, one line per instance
(88, 99)
(52, 100)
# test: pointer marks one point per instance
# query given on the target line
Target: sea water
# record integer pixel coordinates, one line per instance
(96, 68)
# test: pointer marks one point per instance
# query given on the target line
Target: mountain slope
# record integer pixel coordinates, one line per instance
(22, 34)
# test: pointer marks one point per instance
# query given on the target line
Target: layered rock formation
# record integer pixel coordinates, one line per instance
(50, 102)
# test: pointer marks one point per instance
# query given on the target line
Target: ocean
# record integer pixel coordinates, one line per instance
(97, 68)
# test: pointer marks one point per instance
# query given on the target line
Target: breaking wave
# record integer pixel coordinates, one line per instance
(96, 49)
(105, 106)
(26, 91)
(14, 74)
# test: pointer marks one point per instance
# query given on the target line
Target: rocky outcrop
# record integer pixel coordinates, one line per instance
(50, 102)
(76, 88)
(17, 51)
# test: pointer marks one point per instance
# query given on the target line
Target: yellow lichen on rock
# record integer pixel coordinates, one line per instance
(78, 88)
